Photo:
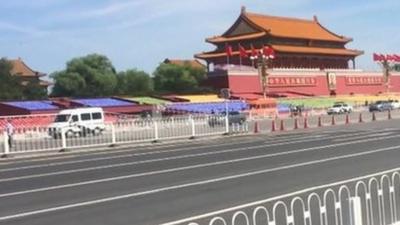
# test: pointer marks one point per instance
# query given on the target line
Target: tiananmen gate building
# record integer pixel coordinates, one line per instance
(309, 59)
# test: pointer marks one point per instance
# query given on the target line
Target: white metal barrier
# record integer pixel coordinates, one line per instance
(130, 130)
(122, 132)
(370, 200)
(3, 143)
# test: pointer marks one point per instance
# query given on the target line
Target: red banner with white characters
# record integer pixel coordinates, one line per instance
(291, 81)
(364, 80)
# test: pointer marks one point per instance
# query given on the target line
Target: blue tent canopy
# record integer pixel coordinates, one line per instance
(33, 105)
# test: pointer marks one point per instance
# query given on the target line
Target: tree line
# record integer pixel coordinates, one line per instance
(95, 76)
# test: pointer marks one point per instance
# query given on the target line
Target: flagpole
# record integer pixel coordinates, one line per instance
(240, 60)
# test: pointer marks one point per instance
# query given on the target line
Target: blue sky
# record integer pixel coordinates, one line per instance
(142, 33)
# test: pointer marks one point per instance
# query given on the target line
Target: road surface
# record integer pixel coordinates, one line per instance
(158, 184)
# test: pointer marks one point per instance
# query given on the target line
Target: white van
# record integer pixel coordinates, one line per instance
(79, 121)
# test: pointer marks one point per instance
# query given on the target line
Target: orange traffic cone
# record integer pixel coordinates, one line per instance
(282, 127)
(273, 127)
(305, 122)
(256, 128)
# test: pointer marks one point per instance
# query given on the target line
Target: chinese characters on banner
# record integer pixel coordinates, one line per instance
(364, 80)
(291, 81)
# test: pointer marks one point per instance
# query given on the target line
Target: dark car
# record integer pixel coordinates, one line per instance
(380, 106)
(296, 110)
(233, 118)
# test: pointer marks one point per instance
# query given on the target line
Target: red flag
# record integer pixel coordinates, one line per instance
(242, 51)
(228, 50)
(391, 57)
(269, 52)
(397, 58)
(376, 57)
(265, 50)
(253, 51)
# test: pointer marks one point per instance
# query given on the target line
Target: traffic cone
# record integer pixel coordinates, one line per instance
(360, 119)
(273, 127)
(319, 121)
(282, 127)
(333, 121)
(296, 124)
(373, 116)
(389, 115)
(305, 122)
(256, 128)
(347, 119)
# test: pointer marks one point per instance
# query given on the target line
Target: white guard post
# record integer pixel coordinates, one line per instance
(6, 146)
(356, 209)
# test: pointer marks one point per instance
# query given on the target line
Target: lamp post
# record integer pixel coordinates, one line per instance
(387, 62)
(262, 59)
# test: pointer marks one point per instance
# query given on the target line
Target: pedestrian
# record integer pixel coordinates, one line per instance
(10, 132)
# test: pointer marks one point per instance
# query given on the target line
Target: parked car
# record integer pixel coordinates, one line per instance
(339, 108)
(380, 106)
(395, 104)
(296, 110)
(233, 118)
(80, 121)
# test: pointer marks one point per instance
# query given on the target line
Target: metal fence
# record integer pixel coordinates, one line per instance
(370, 200)
(121, 132)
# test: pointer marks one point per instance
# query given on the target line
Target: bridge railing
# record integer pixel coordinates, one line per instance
(369, 200)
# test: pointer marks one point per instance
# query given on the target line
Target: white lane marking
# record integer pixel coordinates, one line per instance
(150, 161)
(128, 148)
(175, 187)
(157, 172)
(261, 202)
(146, 153)
(122, 156)
(158, 160)
(243, 141)
(366, 136)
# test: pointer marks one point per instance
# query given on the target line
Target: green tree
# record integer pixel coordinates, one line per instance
(396, 67)
(10, 88)
(134, 82)
(33, 91)
(89, 76)
(178, 79)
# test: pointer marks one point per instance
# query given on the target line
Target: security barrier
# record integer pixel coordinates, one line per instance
(128, 131)
(369, 200)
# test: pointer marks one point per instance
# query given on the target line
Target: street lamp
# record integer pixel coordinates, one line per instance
(387, 63)
(262, 58)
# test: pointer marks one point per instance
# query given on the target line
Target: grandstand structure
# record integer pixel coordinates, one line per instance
(310, 60)
(27, 108)
(206, 107)
(112, 105)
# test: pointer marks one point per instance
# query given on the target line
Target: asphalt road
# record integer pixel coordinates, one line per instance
(154, 185)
